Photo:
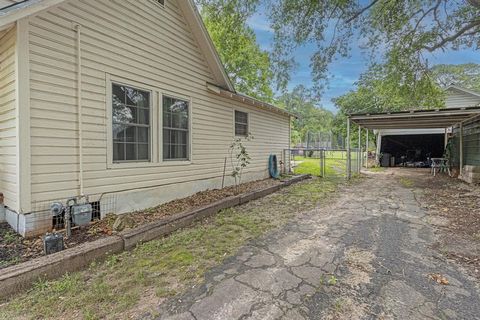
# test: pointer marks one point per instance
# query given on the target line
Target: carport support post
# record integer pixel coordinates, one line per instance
(359, 160)
(349, 158)
(366, 150)
(461, 149)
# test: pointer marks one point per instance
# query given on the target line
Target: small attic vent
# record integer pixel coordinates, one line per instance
(161, 2)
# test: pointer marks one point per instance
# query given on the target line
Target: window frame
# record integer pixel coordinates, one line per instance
(156, 123)
(235, 123)
(160, 128)
(149, 126)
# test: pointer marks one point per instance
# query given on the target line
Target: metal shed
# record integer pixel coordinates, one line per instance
(415, 119)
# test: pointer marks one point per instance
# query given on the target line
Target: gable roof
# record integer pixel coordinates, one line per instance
(464, 90)
(13, 10)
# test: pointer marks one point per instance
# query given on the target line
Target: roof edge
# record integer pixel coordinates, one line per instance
(200, 30)
(188, 8)
(473, 93)
(240, 97)
(23, 12)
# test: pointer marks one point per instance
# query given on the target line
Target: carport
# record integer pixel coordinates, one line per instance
(415, 119)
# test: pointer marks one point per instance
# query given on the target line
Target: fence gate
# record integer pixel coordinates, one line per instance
(321, 162)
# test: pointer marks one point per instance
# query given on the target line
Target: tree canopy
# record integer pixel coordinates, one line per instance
(465, 75)
(399, 34)
(311, 117)
(246, 64)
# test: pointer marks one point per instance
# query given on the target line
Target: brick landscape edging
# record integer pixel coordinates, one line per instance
(21, 276)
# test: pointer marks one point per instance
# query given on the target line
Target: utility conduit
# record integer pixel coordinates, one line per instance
(77, 28)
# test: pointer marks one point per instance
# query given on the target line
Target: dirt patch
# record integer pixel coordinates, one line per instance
(15, 249)
(346, 308)
(453, 206)
(359, 264)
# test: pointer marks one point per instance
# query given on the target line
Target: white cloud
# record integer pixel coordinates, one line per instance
(259, 23)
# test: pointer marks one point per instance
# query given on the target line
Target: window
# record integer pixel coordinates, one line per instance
(241, 123)
(175, 129)
(130, 124)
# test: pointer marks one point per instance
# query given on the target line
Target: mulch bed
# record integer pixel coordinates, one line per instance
(16, 249)
(458, 203)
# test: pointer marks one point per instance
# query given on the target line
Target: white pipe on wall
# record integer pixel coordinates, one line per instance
(79, 106)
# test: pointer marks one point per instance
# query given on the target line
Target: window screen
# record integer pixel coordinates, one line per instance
(130, 124)
(175, 129)
(241, 123)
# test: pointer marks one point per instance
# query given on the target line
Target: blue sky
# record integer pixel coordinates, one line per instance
(345, 71)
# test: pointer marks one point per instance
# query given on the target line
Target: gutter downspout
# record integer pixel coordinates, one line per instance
(77, 28)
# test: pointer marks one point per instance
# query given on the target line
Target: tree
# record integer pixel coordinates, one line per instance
(311, 117)
(381, 90)
(465, 75)
(246, 64)
(398, 33)
(239, 159)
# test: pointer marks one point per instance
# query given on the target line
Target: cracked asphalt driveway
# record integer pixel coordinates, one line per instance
(366, 255)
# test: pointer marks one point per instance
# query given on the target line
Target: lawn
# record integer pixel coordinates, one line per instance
(134, 282)
(335, 164)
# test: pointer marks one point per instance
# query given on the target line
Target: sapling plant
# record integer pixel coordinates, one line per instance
(239, 158)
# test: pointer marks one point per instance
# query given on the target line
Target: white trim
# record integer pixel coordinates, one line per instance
(110, 80)
(248, 100)
(188, 99)
(156, 125)
(235, 122)
(26, 11)
(22, 111)
(193, 18)
(464, 90)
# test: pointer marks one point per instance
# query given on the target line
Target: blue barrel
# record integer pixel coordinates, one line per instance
(273, 166)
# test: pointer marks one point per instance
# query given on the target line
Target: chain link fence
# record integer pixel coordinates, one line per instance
(322, 162)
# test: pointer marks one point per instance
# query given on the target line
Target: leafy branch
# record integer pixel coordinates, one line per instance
(239, 158)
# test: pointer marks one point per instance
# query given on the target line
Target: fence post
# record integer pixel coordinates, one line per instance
(359, 160)
(349, 158)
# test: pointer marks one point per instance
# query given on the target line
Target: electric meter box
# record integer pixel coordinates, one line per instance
(81, 214)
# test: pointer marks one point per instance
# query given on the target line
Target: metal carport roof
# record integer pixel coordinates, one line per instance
(415, 119)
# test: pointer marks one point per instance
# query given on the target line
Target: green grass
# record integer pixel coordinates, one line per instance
(407, 183)
(377, 169)
(134, 282)
(335, 164)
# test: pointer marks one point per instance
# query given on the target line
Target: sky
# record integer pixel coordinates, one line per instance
(346, 71)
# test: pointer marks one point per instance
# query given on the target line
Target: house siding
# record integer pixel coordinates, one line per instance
(145, 43)
(458, 99)
(8, 175)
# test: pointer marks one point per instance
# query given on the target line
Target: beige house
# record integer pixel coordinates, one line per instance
(125, 101)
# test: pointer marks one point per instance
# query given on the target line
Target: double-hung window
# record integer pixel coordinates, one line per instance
(175, 129)
(241, 123)
(130, 124)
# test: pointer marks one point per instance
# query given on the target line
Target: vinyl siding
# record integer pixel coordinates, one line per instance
(135, 40)
(458, 99)
(8, 178)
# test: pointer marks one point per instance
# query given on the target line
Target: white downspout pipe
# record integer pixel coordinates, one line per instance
(79, 106)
